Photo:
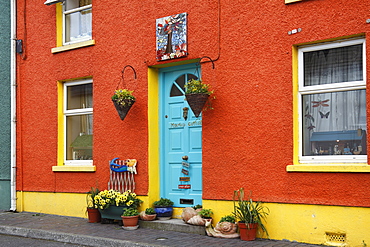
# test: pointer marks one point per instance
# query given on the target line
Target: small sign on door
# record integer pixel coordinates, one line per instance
(184, 186)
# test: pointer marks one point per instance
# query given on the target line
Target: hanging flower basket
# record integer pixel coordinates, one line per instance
(122, 110)
(196, 102)
(197, 94)
(123, 98)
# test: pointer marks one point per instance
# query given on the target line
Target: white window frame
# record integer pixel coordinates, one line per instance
(74, 112)
(327, 88)
(66, 12)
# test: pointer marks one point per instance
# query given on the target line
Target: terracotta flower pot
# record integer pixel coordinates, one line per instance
(147, 217)
(93, 215)
(130, 221)
(247, 231)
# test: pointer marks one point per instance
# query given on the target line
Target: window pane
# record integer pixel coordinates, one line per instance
(335, 65)
(79, 137)
(78, 25)
(79, 96)
(334, 123)
(73, 4)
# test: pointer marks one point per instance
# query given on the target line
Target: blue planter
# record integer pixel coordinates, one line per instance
(163, 211)
(113, 212)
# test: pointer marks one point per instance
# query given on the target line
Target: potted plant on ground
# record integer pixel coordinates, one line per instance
(111, 203)
(92, 209)
(123, 100)
(148, 214)
(197, 94)
(163, 208)
(130, 218)
(250, 214)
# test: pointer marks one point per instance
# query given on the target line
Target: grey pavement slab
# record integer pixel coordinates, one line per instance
(78, 231)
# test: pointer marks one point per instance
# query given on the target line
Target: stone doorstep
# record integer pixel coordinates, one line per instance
(176, 225)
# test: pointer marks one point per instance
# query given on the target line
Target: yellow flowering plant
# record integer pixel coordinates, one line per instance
(123, 97)
(106, 198)
(197, 86)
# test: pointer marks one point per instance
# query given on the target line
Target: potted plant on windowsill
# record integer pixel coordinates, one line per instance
(130, 218)
(163, 208)
(123, 100)
(197, 94)
(92, 208)
(148, 214)
(250, 214)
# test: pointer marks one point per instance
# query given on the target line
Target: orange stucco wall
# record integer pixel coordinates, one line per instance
(247, 138)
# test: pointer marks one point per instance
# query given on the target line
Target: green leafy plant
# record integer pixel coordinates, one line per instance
(130, 212)
(106, 198)
(205, 213)
(90, 198)
(228, 218)
(149, 211)
(248, 211)
(123, 97)
(197, 86)
(197, 206)
(163, 202)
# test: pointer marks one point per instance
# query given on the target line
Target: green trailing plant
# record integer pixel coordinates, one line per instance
(205, 213)
(197, 86)
(248, 211)
(149, 211)
(228, 218)
(163, 202)
(130, 212)
(90, 198)
(123, 97)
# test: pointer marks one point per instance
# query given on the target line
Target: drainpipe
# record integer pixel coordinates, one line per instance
(13, 86)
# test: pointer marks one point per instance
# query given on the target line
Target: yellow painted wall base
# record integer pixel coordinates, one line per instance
(294, 222)
(309, 223)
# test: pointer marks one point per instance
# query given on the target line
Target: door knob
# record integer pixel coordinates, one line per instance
(185, 157)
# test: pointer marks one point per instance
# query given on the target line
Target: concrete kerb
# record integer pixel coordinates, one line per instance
(67, 237)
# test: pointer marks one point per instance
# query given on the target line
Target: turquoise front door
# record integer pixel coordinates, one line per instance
(181, 140)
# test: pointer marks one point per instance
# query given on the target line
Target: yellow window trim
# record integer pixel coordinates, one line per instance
(73, 46)
(292, 1)
(59, 25)
(60, 167)
(308, 167)
(74, 168)
(328, 168)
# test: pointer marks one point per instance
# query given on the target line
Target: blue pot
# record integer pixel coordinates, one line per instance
(163, 211)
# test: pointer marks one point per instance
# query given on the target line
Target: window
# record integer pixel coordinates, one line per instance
(77, 19)
(78, 123)
(332, 99)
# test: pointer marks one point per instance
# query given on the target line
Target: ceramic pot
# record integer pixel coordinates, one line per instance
(113, 212)
(164, 213)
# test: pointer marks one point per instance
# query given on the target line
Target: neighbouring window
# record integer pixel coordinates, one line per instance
(77, 19)
(78, 119)
(333, 102)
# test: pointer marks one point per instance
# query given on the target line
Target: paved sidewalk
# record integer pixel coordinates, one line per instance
(79, 231)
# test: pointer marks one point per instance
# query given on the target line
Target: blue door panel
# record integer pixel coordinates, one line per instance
(179, 137)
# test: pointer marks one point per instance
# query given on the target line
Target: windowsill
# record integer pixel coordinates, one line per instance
(73, 46)
(74, 168)
(292, 1)
(328, 168)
